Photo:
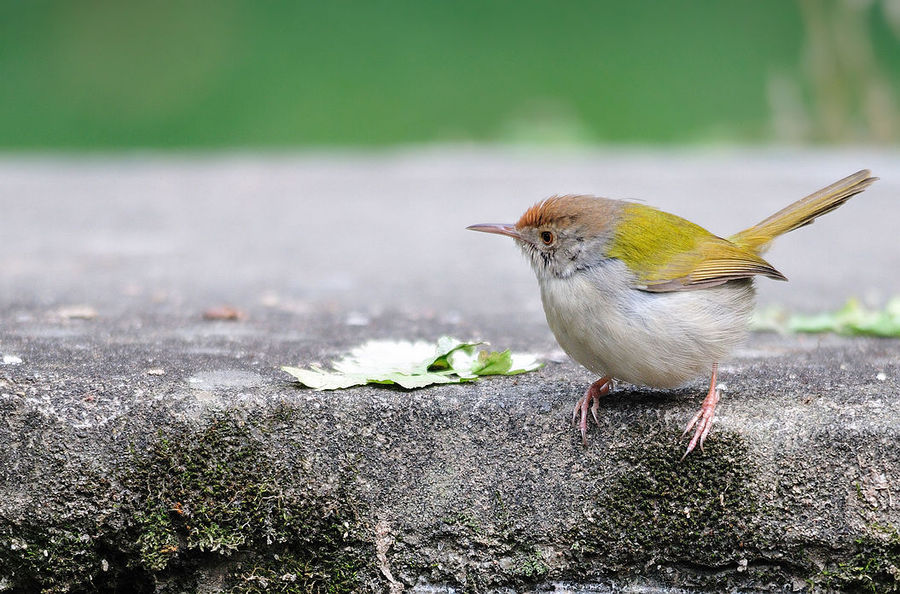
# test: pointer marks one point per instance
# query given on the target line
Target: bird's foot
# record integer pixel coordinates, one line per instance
(590, 400)
(702, 422)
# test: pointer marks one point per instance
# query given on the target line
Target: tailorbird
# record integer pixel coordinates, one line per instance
(643, 296)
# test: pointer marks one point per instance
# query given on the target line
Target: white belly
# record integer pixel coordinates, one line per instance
(662, 340)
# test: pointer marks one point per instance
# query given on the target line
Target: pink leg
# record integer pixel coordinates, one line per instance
(704, 418)
(599, 388)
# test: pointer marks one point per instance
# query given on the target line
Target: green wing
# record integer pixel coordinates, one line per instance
(668, 253)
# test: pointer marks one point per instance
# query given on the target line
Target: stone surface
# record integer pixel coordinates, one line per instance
(145, 448)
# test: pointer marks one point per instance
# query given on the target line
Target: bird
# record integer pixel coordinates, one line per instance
(639, 295)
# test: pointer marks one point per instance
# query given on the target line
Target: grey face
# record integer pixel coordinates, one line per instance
(560, 252)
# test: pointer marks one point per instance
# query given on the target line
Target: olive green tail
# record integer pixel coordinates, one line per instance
(803, 212)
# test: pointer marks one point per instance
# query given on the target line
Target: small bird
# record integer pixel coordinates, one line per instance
(636, 294)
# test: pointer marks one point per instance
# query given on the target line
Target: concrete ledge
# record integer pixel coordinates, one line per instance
(233, 479)
(145, 449)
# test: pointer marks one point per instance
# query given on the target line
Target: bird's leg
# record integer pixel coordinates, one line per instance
(704, 417)
(599, 388)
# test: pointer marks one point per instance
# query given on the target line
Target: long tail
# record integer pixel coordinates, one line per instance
(803, 212)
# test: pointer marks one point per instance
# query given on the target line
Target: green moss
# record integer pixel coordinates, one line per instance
(158, 540)
(874, 566)
(697, 512)
(467, 521)
(530, 565)
(221, 493)
(290, 573)
(46, 551)
(476, 550)
(226, 498)
(51, 561)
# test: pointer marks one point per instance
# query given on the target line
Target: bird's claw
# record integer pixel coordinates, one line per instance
(590, 401)
(702, 422)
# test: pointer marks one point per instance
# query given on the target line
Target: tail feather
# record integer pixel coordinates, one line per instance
(803, 212)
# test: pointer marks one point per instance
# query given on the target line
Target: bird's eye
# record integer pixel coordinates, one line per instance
(547, 237)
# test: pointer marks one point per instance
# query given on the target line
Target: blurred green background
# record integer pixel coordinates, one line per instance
(109, 74)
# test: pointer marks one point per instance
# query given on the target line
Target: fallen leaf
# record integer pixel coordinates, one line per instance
(413, 365)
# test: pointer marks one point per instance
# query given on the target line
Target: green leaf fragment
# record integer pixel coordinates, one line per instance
(417, 381)
(493, 363)
(852, 319)
(468, 364)
(413, 365)
(816, 323)
(319, 379)
(446, 348)
(523, 363)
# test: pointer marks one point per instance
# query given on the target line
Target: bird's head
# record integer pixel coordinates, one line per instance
(562, 234)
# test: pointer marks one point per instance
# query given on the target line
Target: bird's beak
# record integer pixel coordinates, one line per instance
(498, 228)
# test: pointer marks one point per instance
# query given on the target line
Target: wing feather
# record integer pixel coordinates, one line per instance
(668, 253)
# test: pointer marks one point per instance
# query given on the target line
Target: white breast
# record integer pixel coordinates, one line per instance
(660, 340)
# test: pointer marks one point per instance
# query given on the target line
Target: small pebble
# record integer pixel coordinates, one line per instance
(224, 312)
(357, 319)
(881, 376)
(77, 312)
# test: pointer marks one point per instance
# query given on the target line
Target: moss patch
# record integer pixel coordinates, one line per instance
(476, 550)
(218, 496)
(698, 514)
(51, 561)
(290, 573)
(48, 551)
(873, 567)
(530, 566)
